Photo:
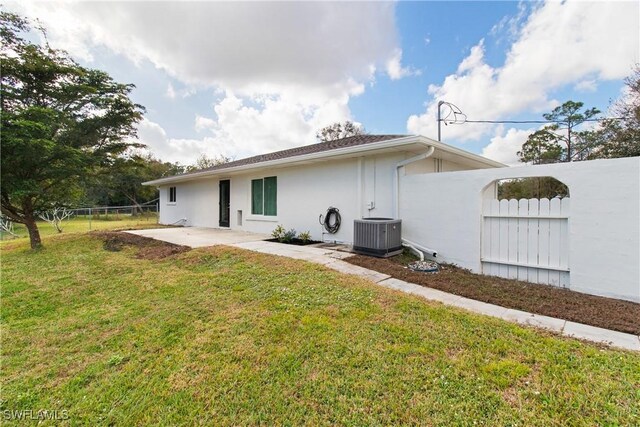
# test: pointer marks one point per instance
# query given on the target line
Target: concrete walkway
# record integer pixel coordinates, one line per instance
(198, 237)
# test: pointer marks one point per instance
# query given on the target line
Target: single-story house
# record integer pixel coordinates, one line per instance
(358, 175)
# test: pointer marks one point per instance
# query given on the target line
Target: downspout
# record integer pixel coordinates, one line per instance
(396, 176)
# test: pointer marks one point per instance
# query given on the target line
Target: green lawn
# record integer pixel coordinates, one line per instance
(83, 224)
(221, 336)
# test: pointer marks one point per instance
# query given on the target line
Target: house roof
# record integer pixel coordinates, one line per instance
(351, 141)
(320, 150)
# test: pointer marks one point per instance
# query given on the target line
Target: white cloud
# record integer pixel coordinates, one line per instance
(173, 93)
(203, 123)
(183, 151)
(239, 128)
(504, 146)
(276, 123)
(474, 60)
(560, 43)
(396, 71)
(588, 85)
(285, 69)
(234, 45)
(509, 26)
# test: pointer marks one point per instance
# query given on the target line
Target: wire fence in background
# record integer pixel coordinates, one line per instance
(62, 220)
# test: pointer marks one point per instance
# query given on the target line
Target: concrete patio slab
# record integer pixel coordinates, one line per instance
(197, 237)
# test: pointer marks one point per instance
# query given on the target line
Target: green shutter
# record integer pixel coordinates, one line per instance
(256, 197)
(271, 196)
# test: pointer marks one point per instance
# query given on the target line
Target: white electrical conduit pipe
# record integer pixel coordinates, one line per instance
(413, 248)
(423, 250)
(396, 177)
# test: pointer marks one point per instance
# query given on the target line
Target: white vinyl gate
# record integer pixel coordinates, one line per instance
(527, 240)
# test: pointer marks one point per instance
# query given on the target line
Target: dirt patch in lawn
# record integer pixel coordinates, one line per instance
(623, 316)
(148, 248)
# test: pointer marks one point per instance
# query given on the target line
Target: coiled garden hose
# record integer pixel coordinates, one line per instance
(331, 220)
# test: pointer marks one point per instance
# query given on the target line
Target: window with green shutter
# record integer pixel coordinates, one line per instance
(256, 197)
(264, 196)
(271, 196)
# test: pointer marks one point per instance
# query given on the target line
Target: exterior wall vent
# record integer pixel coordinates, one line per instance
(380, 237)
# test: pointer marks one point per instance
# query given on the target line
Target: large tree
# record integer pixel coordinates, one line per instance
(560, 141)
(59, 122)
(339, 130)
(620, 136)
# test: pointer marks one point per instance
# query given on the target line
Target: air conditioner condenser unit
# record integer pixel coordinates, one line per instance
(380, 237)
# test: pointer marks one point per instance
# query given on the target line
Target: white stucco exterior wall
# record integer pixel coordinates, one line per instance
(443, 212)
(360, 187)
(196, 201)
(304, 192)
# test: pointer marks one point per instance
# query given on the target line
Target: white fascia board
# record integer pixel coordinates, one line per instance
(462, 153)
(389, 143)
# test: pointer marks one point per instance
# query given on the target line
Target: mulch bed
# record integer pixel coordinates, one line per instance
(296, 242)
(148, 248)
(623, 316)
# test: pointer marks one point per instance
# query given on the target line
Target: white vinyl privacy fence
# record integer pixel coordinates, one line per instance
(527, 239)
(589, 242)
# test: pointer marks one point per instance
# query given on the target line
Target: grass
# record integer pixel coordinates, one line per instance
(83, 224)
(221, 336)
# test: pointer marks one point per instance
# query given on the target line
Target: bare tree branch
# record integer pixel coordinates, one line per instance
(56, 216)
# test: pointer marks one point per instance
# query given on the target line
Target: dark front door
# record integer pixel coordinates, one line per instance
(225, 187)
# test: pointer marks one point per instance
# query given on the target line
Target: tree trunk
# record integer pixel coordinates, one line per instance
(569, 154)
(34, 233)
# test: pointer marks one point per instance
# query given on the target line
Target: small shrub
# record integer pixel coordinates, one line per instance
(305, 237)
(278, 233)
(289, 236)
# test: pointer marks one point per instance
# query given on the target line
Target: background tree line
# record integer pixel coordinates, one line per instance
(120, 184)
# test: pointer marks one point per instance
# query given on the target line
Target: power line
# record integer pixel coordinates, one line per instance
(460, 118)
(465, 120)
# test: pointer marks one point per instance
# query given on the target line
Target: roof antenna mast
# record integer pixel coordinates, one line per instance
(439, 121)
(458, 116)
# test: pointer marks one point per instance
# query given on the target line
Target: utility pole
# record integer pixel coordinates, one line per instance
(439, 121)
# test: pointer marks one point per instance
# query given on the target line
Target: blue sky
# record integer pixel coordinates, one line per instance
(435, 38)
(245, 78)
